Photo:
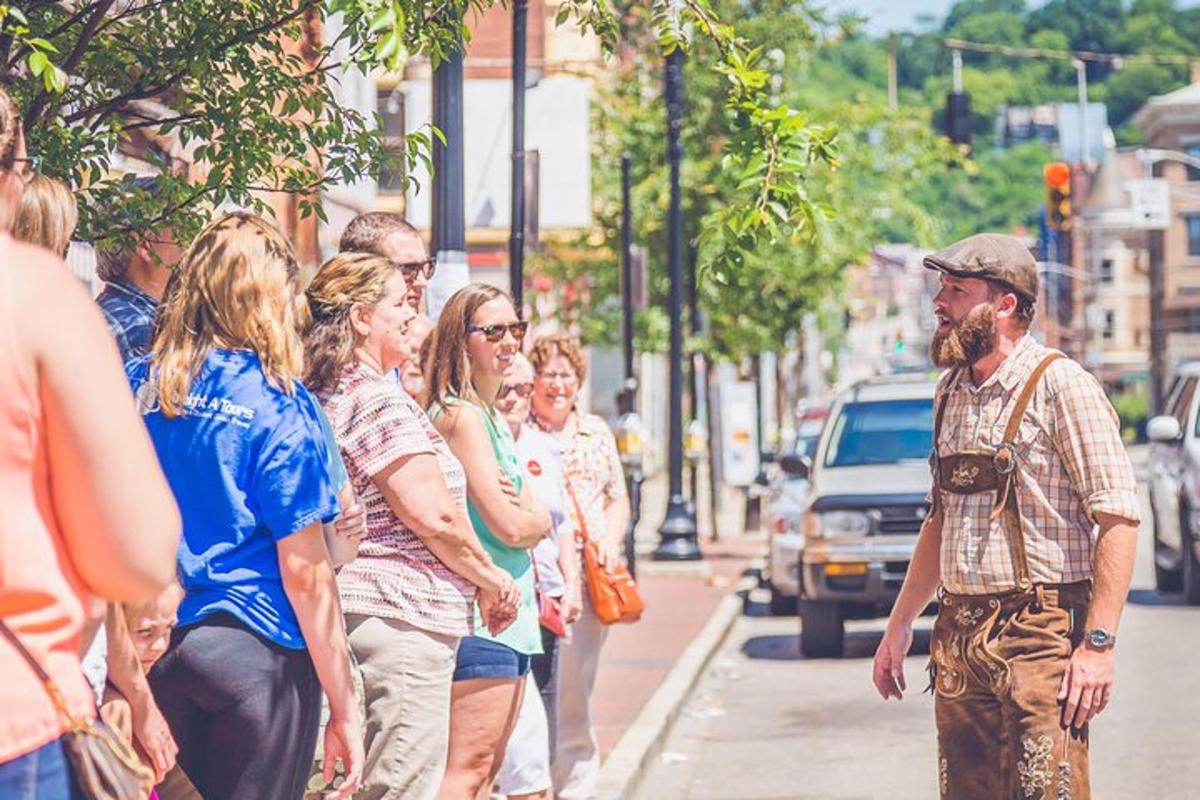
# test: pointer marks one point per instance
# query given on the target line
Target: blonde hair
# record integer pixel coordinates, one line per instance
(134, 610)
(342, 282)
(48, 215)
(230, 289)
(559, 344)
(447, 365)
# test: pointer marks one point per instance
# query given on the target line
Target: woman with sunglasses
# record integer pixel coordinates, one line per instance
(595, 484)
(525, 773)
(477, 339)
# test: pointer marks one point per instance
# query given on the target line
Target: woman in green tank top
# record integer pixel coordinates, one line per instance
(474, 346)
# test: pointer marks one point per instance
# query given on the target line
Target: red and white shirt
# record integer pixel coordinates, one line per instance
(395, 575)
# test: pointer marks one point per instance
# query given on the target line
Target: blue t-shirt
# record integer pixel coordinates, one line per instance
(248, 465)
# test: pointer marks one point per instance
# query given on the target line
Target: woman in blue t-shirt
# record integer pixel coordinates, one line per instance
(240, 441)
(477, 338)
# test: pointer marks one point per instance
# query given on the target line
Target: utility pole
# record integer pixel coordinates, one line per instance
(677, 534)
(516, 237)
(449, 205)
(629, 388)
(893, 91)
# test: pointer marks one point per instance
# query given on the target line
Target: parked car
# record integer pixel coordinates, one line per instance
(785, 513)
(866, 501)
(1175, 487)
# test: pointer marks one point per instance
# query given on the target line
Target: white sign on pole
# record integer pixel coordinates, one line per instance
(739, 433)
(1151, 202)
(451, 275)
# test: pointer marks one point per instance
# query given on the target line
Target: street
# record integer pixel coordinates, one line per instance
(764, 723)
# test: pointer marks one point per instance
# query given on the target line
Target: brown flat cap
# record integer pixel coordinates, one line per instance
(991, 256)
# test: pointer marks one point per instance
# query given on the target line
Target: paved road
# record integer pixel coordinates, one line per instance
(765, 724)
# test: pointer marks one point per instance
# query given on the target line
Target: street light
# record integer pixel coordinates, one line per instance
(516, 237)
(677, 533)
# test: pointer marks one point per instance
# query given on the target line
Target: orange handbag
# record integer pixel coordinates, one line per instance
(611, 590)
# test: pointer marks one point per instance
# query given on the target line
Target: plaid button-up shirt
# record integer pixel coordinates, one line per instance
(1071, 465)
(130, 315)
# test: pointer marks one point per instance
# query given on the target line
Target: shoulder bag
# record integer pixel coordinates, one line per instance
(611, 590)
(105, 766)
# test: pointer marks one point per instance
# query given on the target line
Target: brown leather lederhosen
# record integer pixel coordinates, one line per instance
(996, 659)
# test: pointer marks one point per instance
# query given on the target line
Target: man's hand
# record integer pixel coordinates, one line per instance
(1087, 685)
(154, 735)
(344, 741)
(889, 660)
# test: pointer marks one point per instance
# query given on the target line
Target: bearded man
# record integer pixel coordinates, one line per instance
(1029, 543)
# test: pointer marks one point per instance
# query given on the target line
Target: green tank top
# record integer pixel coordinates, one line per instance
(523, 635)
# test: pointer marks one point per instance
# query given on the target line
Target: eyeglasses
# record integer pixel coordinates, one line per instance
(412, 269)
(27, 166)
(495, 333)
(522, 390)
(560, 377)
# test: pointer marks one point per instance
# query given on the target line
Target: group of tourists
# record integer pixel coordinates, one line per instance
(334, 545)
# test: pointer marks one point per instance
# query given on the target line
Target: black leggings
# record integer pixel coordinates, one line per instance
(545, 675)
(244, 711)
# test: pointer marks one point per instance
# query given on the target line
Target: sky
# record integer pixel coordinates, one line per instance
(889, 15)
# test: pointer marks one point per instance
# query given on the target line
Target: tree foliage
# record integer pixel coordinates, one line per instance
(753, 301)
(246, 89)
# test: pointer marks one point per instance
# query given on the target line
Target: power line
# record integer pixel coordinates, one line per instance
(1069, 55)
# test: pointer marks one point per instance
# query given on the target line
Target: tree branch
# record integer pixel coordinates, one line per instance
(68, 66)
(136, 92)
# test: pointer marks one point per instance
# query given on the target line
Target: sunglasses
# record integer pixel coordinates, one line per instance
(522, 390)
(412, 269)
(495, 333)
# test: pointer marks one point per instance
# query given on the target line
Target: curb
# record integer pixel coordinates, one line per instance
(623, 770)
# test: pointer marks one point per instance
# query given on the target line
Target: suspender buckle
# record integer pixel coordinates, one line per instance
(1004, 461)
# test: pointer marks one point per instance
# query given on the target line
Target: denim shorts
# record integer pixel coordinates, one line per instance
(43, 774)
(483, 658)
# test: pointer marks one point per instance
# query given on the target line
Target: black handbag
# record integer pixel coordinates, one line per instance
(104, 765)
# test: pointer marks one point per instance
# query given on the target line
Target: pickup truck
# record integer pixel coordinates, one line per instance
(867, 498)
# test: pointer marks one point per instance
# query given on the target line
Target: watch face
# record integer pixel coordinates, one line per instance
(1100, 638)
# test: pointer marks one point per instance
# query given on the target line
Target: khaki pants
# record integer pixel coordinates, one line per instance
(576, 763)
(997, 665)
(406, 674)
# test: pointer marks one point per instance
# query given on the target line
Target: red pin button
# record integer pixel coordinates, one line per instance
(535, 469)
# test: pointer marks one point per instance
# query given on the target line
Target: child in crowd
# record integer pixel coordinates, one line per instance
(150, 625)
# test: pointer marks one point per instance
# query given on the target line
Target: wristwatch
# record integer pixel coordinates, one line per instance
(1100, 639)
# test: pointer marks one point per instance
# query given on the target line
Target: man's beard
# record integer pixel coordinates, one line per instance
(969, 340)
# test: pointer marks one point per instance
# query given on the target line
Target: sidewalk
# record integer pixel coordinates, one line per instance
(681, 599)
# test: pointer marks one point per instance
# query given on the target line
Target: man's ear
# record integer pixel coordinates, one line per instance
(360, 319)
(1007, 304)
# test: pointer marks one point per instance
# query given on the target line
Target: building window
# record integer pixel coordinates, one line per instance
(390, 104)
(1106, 271)
(1193, 150)
(1193, 233)
(1110, 325)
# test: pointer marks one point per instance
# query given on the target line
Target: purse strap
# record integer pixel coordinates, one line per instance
(48, 684)
(583, 529)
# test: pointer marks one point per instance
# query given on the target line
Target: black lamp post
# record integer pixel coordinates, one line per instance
(677, 534)
(516, 237)
(449, 223)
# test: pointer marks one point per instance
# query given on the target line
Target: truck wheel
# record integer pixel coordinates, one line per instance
(783, 605)
(1191, 566)
(1165, 580)
(822, 632)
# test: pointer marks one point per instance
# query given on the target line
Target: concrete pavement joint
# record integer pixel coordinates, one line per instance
(625, 766)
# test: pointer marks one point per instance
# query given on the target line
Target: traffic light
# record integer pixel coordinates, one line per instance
(958, 117)
(1058, 195)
